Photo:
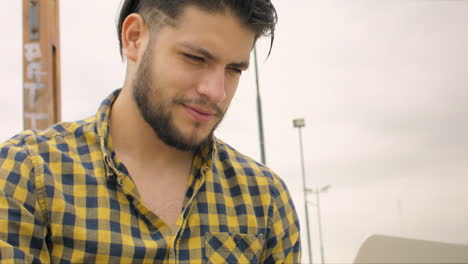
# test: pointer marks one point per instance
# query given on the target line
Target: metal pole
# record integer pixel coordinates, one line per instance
(317, 193)
(259, 110)
(305, 197)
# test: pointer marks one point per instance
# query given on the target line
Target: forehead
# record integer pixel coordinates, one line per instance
(221, 33)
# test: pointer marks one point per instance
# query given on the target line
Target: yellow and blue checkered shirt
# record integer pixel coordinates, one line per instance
(65, 198)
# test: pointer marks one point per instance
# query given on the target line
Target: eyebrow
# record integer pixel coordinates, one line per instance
(207, 54)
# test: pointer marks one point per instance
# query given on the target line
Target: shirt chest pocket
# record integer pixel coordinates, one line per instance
(222, 247)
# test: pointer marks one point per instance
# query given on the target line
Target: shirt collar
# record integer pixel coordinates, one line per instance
(103, 130)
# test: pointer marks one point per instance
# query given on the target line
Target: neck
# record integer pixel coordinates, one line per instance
(135, 141)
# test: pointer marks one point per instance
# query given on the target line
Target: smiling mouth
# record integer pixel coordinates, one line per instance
(199, 114)
(201, 110)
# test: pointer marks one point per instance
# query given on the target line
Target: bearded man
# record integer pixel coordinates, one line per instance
(145, 180)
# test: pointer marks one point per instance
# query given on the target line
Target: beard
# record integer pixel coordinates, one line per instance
(155, 109)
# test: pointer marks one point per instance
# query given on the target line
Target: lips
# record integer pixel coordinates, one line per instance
(201, 110)
(199, 113)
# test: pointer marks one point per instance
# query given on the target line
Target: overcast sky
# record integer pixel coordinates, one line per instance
(382, 85)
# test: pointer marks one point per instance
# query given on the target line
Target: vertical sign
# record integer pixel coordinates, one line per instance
(41, 60)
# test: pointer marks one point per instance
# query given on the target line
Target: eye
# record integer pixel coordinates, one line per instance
(194, 58)
(235, 70)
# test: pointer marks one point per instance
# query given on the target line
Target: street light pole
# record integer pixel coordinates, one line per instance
(319, 217)
(320, 227)
(300, 123)
(259, 110)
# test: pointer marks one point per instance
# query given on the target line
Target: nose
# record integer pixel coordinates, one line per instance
(212, 87)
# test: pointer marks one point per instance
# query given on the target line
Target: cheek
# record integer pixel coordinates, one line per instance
(174, 81)
(181, 78)
(231, 86)
(230, 92)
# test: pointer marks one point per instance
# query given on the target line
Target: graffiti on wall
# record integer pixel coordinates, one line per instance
(33, 82)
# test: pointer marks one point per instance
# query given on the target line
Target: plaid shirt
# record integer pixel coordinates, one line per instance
(65, 198)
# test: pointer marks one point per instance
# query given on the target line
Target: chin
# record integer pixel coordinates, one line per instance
(197, 134)
(199, 138)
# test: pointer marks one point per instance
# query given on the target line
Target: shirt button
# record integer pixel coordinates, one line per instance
(119, 180)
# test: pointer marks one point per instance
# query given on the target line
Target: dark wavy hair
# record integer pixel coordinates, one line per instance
(258, 15)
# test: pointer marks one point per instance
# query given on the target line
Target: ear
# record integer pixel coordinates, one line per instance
(134, 36)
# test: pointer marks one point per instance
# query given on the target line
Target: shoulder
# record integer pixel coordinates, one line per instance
(36, 150)
(245, 169)
(39, 141)
(32, 154)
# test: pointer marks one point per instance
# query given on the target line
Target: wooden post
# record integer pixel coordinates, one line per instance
(41, 60)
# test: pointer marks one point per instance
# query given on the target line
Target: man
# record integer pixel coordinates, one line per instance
(145, 180)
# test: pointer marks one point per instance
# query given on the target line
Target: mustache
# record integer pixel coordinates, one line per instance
(200, 102)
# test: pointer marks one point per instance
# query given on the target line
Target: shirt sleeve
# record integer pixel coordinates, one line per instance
(283, 238)
(22, 225)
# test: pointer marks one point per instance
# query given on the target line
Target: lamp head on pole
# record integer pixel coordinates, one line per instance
(325, 188)
(299, 122)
